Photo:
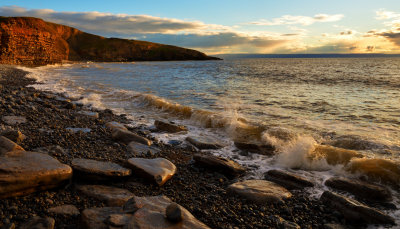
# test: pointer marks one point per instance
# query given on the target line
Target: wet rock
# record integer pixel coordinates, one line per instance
(126, 137)
(334, 155)
(90, 114)
(255, 148)
(6, 145)
(112, 196)
(67, 210)
(160, 170)
(355, 211)
(14, 135)
(282, 223)
(39, 223)
(26, 172)
(14, 120)
(204, 142)
(226, 166)
(260, 191)
(139, 149)
(368, 191)
(99, 170)
(115, 125)
(168, 127)
(288, 180)
(174, 213)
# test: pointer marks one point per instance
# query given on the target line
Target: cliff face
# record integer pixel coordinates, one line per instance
(32, 41)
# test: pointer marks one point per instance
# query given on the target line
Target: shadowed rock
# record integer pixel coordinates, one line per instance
(174, 213)
(67, 210)
(126, 137)
(6, 145)
(90, 114)
(112, 196)
(355, 211)
(14, 120)
(115, 125)
(224, 165)
(280, 222)
(360, 189)
(26, 172)
(14, 135)
(288, 180)
(255, 148)
(168, 127)
(260, 191)
(39, 223)
(99, 170)
(204, 142)
(139, 149)
(159, 170)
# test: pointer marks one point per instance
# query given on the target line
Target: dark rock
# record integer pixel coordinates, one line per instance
(139, 149)
(67, 210)
(255, 148)
(160, 170)
(334, 155)
(204, 142)
(39, 223)
(174, 213)
(90, 114)
(126, 137)
(14, 135)
(283, 224)
(110, 195)
(334, 226)
(288, 180)
(355, 211)
(226, 166)
(118, 220)
(100, 170)
(361, 189)
(71, 106)
(115, 125)
(98, 218)
(168, 127)
(130, 206)
(14, 120)
(6, 145)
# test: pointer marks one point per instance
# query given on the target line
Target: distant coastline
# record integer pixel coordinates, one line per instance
(336, 55)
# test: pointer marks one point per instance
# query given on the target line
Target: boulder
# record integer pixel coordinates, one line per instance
(174, 213)
(255, 148)
(160, 170)
(288, 180)
(138, 149)
(14, 120)
(260, 191)
(150, 213)
(169, 127)
(99, 170)
(6, 145)
(226, 166)
(355, 211)
(26, 172)
(112, 196)
(361, 189)
(204, 142)
(14, 135)
(67, 210)
(39, 223)
(115, 125)
(126, 137)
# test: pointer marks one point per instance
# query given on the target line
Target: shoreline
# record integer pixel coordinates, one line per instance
(200, 190)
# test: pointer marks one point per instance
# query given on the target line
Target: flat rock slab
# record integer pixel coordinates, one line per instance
(39, 223)
(355, 211)
(160, 170)
(150, 213)
(67, 210)
(112, 196)
(224, 165)
(139, 149)
(205, 142)
(169, 127)
(14, 120)
(115, 125)
(77, 130)
(99, 170)
(260, 191)
(26, 172)
(14, 135)
(288, 180)
(6, 145)
(255, 148)
(361, 189)
(90, 114)
(126, 137)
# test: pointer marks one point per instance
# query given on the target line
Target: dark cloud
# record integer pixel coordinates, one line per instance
(340, 47)
(348, 32)
(391, 36)
(370, 48)
(289, 34)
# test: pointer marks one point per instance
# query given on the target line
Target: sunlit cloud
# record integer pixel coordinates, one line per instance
(300, 20)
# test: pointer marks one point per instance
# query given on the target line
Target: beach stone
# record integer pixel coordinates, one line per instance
(52, 150)
(360, 189)
(6, 145)
(112, 196)
(39, 223)
(77, 130)
(26, 172)
(334, 226)
(288, 180)
(334, 155)
(90, 114)
(224, 165)
(70, 105)
(160, 170)
(14, 120)
(139, 149)
(282, 223)
(255, 148)
(115, 125)
(126, 137)
(204, 142)
(98, 170)
(260, 191)
(14, 135)
(174, 213)
(67, 210)
(150, 213)
(168, 127)
(355, 211)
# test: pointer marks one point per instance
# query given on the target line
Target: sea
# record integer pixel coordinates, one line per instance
(294, 104)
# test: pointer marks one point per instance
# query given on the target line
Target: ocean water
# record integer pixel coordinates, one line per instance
(304, 107)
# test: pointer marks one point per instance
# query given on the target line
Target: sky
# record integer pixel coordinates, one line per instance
(232, 26)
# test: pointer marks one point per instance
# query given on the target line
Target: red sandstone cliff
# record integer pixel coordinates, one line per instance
(32, 41)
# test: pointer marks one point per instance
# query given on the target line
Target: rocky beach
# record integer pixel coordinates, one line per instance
(66, 165)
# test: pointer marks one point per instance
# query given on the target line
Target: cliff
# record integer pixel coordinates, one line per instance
(32, 41)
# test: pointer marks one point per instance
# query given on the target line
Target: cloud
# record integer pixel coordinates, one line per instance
(301, 20)
(347, 32)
